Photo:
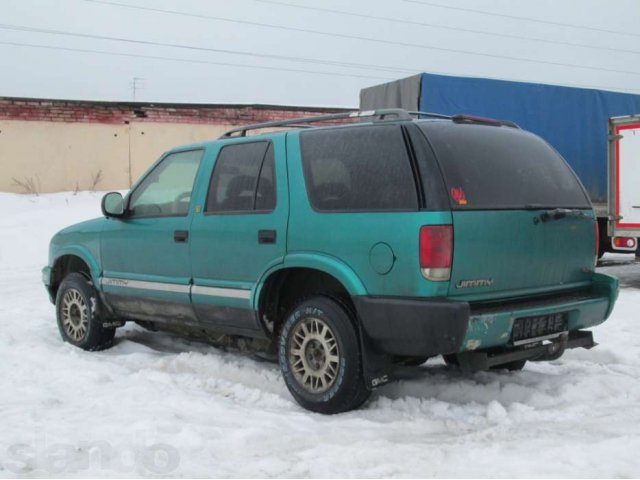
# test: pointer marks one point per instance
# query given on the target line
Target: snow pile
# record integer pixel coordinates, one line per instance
(156, 404)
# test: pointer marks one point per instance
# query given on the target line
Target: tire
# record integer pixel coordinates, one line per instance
(77, 312)
(319, 356)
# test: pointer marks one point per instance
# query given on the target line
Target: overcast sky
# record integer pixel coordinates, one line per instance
(304, 52)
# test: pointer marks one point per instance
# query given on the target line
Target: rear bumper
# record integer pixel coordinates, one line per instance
(413, 326)
(421, 327)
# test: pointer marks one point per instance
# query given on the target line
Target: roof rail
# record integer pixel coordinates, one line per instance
(380, 115)
(430, 114)
(375, 115)
(461, 118)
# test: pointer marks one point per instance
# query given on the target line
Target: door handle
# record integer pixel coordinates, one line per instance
(266, 236)
(180, 236)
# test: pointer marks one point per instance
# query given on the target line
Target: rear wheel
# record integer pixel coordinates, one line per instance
(319, 355)
(77, 314)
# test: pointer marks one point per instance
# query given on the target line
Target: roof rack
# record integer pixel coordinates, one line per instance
(375, 115)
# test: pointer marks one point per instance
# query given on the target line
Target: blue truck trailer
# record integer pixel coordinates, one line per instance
(580, 123)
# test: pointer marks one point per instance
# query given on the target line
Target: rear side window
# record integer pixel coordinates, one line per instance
(358, 169)
(243, 179)
(487, 167)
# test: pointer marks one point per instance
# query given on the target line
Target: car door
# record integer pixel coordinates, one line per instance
(145, 254)
(241, 231)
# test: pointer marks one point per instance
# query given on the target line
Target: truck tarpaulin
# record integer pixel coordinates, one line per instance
(573, 120)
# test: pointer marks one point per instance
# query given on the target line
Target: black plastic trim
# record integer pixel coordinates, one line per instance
(414, 167)
(432, 180)
(408, 326)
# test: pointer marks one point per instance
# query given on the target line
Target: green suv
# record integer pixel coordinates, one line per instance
(370, 240)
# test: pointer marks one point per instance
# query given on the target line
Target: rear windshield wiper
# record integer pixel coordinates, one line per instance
(558, 213)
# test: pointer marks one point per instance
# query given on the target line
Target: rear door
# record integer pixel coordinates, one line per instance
(522, 221)
(240, 231)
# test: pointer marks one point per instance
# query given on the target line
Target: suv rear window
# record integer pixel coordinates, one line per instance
(501, 167)
(358, 169)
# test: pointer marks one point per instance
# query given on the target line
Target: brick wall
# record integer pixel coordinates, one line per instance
(118, 113)
(62, 145)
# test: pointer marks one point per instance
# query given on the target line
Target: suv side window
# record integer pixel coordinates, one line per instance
(166, 190)
(243, 179)
(358, 169)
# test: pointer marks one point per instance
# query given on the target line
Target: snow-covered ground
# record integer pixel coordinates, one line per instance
(155, 404)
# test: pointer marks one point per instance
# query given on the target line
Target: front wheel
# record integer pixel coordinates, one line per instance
(319, 355)
(77, 314)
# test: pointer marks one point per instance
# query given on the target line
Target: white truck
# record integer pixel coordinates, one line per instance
(624, 182)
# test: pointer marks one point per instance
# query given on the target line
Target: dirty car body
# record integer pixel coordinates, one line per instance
(345, 250)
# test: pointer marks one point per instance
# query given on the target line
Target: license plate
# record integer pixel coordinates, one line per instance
(540, 327)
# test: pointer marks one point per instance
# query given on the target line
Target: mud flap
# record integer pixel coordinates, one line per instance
(377, 366)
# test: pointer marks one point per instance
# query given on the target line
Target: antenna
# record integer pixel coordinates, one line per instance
(135, 86)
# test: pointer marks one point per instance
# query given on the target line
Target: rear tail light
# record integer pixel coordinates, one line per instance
(624, 243)
(436, 252)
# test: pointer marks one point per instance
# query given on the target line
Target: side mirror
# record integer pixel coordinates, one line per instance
(113, 205)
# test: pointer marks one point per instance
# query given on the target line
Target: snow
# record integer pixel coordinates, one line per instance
(156, 404)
